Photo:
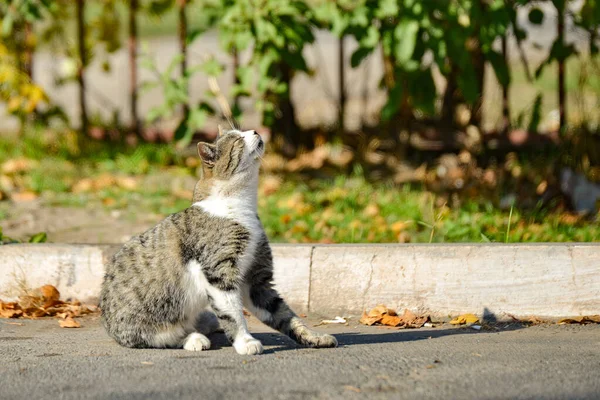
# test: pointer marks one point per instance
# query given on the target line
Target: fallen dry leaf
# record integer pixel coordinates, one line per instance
(587, 319)
(44, 302)
(51, 303)
(11, 313)
(352, 388)
(270, 185)
(34, 300)
(371, 210)
(49, 292)
(126, 182)
(366, 320)
(183, 194)
(380, 310)
(390, 320)
(10, 310)
(569, 218)
(17, 165)
(465, 319)
(9, 305)
(103, 181)
(192, 162)
(84, 185)
(399, 226)
(69, 323)
(109, 201)
(23, 196)
(413, 321)
(404, 237)
(388, 317)
(528, 320)
(6, 183)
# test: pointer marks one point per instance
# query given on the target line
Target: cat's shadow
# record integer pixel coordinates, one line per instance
(276, 342)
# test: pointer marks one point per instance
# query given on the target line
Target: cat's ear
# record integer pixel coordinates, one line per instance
(208, 153)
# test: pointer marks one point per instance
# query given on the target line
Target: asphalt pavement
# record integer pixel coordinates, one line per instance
(40, 360)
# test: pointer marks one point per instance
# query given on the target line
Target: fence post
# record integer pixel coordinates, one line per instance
(505, 88)
(81, 30)
(561, 70)
(342, 86)
(182, 31)
(236, 79)
(133, 93)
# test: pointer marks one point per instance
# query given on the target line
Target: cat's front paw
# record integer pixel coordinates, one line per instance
(321, 340)
(247, 345)
(196, 342)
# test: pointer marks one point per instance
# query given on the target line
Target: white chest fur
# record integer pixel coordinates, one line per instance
(241, 209)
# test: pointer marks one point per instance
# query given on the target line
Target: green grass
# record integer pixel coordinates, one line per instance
(351, 210)
(339, 210)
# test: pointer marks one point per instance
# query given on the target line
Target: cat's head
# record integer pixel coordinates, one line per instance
(234, 153)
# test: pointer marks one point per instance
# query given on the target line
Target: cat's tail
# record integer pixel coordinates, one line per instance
(207, 323)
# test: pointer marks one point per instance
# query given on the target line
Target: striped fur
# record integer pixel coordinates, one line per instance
(167, 286)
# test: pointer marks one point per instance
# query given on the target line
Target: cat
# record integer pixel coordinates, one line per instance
(167, 287)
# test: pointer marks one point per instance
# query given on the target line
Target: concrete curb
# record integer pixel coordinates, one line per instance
(547, 280)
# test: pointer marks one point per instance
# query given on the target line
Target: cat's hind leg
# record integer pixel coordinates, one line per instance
(265, 303)
(196, 341)
(178, 336)
(207, 323)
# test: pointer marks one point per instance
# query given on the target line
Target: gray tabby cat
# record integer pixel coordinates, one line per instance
(213, 255)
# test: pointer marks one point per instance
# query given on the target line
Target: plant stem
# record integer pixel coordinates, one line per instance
(509, 221)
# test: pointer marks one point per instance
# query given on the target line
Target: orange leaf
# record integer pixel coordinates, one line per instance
(24, 196)
(371, 210)
(51, 303)
(368, 320)
(69, 323)
(126, 182)
(37, 313)
(84, 185)
(581, 320)
(408, 316)
(108, 201)
(594, 318)
(398, 226)
(391, 320)
(378, 311)
(9, 306)
(49, 292)
(11, 313)
(386, 316)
